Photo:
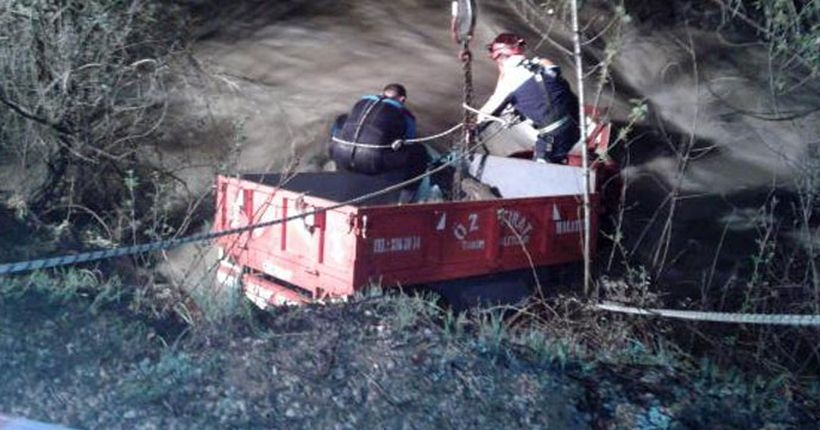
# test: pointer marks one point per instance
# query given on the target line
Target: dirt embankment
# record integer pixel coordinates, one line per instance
(377, 363)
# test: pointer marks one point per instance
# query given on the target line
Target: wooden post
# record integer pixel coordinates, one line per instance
(584, 153)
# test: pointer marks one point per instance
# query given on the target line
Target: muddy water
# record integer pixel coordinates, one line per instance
(714, 142)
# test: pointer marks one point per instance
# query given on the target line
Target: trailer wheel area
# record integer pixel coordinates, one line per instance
(484, 291)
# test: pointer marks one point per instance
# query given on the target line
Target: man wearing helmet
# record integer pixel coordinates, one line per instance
(370, 138)
(539, 95)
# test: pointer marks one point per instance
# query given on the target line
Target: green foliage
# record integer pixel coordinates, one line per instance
(622, 14)
(808, 210)
(83, 91)
(791, 29)
(558, 352)
(638, 114)
(455, 323)
(156, 222)
(492, 331)
(61, 286)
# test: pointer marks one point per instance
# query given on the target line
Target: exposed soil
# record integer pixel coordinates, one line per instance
(379, 362)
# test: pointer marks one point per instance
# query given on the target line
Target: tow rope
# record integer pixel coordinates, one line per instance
(398, 143)
(722, 317)
(163, 245)
(488, 116)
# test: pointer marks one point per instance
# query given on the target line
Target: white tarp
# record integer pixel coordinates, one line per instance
(517, 178)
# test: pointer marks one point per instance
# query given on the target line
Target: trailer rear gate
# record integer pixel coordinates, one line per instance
(333, 253)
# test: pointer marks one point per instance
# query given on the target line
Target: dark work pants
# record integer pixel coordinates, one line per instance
(556, 145)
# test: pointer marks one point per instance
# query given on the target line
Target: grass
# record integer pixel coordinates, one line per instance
(390, 354)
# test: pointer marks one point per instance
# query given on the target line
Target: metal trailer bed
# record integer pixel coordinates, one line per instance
(332, 253)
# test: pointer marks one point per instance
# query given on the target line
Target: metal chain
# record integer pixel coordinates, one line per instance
(468, 132)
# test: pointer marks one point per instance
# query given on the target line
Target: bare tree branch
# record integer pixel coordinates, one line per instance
(30, 116)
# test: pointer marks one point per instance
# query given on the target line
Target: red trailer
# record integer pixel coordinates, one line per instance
(336, 249)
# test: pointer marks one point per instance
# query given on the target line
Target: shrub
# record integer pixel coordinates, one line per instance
(82, 83)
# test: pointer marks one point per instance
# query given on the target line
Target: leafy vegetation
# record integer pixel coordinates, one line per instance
(377, 361)
(84, 90)
(83, 85)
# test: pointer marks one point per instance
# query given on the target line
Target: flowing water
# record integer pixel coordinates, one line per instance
(715, 143)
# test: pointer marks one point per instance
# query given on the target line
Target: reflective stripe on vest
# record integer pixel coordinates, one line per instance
(555, 125)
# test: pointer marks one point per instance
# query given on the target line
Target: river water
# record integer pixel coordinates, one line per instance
(713, 149)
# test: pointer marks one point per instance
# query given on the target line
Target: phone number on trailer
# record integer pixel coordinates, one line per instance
(384, 245)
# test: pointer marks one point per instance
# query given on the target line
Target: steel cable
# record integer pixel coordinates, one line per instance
(723, 317)
(398, 142)
(85, 257)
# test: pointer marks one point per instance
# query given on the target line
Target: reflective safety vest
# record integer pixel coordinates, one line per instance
(546, 99)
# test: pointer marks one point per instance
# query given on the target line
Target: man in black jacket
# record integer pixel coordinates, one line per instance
(370, 139)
